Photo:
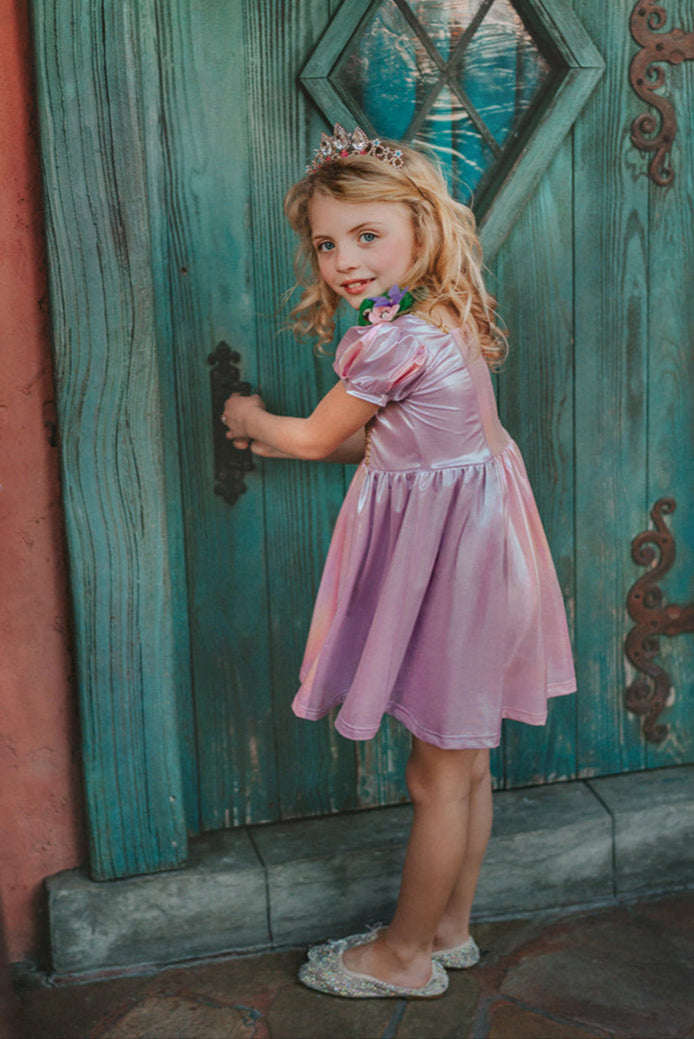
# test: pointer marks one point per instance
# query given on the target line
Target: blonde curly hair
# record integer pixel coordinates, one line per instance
(448, 260)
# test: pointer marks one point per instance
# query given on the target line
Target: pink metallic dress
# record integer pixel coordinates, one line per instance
(439, 603)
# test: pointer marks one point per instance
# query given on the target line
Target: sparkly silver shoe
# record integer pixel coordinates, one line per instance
(465, 955)
(317, 953)
(331, 977)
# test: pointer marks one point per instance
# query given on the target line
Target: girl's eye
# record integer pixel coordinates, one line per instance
(368, 236)
(324, 247)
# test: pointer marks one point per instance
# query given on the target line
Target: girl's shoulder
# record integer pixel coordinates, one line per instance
(385, 341)
(383, 358)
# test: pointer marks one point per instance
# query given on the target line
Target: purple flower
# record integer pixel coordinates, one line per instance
(393, 297)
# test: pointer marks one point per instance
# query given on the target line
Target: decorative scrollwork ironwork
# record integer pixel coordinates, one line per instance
(648, 133)
(230, 463)
(647, 696)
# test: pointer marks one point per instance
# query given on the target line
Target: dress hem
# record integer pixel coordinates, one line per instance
(445, 742)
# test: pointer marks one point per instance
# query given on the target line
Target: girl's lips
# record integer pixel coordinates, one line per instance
(355, 287)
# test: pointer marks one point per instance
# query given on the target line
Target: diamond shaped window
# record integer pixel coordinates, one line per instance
(492, 86)
(420, 70)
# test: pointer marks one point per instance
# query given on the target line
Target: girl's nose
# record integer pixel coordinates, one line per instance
(345, 260)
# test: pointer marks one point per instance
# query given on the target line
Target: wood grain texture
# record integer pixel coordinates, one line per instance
(153, 124)
(576, 46)
(199, 172)
(109, 408)
(611, 279)
(671, 389)
(316, 766)
(535, 272)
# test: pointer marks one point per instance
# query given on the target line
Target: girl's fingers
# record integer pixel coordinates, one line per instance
(235, 408)
(245, 400)
(240, 442)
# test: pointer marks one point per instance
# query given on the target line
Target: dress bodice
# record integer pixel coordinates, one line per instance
(438, 406)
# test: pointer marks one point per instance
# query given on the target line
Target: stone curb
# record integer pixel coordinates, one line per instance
(294, 883)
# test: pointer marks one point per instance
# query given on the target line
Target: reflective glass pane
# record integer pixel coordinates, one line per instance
(386, 71)
(445, 21)
(461, 150)
(504, 45)
(389, 75)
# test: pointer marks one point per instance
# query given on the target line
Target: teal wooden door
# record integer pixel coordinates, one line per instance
(237, 130)
(202, 115)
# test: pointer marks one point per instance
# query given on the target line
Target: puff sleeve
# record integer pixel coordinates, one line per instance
(379, 363)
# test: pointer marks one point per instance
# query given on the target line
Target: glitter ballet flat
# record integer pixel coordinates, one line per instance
(331, 977)
(465, 955)
(317, 953)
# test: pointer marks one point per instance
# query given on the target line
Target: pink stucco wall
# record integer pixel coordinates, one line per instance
(41, 828)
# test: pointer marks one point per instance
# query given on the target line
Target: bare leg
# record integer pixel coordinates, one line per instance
(454, 926)
(441, 785)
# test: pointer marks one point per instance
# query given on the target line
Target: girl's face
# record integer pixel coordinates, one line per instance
(363, 248)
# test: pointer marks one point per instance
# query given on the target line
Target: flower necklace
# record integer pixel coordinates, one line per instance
(396, 301)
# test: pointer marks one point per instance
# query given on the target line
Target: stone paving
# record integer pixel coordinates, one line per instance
(618, 971)
(578, 843)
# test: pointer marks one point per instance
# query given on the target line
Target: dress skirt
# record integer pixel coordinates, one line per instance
(439, 603)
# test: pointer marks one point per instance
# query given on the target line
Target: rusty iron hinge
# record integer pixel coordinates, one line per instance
(649, 133)
(647, 696)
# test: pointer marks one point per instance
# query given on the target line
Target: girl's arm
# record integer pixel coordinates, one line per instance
(335, 420)
(350, 451)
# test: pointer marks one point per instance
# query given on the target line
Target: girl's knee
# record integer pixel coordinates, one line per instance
(433, 774)
(481, 772)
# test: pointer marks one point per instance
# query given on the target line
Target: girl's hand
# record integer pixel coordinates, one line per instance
(236, 411)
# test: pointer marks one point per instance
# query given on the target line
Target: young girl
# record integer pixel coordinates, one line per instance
(439, 603)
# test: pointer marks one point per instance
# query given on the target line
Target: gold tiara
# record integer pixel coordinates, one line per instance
(342, 144)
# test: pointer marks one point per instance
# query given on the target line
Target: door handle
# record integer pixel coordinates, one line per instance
(230, 463)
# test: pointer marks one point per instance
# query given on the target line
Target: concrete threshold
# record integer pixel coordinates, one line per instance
(294, 883)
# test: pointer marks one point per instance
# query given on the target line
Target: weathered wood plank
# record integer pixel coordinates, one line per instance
(109, 412)
(535, 271)
(199, 161)
(316, 767)
(381, 765)
(671, 390)
(152, 116)
(611, 255)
